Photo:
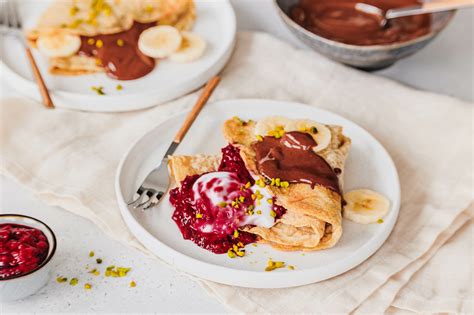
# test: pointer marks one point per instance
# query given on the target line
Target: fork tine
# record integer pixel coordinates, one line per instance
(148, 203)
(151, 205)
(139, 199)
(5, 19)
(12, 8)
(158, 199)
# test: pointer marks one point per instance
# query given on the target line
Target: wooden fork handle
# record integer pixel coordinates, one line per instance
(429, 7)
(39, 80)
(206, 93)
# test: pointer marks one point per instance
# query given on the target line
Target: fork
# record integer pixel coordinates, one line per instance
(10, 24)
(156, 184)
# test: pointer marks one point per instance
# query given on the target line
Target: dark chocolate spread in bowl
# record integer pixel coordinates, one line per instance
(119, 53)
(291, 158)
(339, 20)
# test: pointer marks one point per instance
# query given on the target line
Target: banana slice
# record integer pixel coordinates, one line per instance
(192, 47)
(159, 41)
(270, 126)
(57, 45)
(365, 206)
(321, 134)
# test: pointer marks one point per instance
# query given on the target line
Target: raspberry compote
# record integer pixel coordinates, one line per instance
(210, 208)
(22, 249)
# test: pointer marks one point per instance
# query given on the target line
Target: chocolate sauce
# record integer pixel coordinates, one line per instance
(119, 53)
(291, 158)
(340, 21)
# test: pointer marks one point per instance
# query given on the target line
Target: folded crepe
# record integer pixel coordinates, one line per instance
(101, 17)
(313, 217)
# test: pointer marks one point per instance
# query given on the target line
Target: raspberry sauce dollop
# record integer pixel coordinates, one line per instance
(209, 208)
(22, 249)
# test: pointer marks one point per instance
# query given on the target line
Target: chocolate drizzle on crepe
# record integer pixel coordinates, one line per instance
(291, 158)
(124, 61)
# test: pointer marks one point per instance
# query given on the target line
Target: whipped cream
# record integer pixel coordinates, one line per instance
(264, 219)
(217, 190)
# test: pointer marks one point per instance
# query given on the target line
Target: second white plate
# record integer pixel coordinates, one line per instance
(215, 23)
(368, 166)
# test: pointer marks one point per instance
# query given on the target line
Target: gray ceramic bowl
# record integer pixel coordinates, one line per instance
(364, 57)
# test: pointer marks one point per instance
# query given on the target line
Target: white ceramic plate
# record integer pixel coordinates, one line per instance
(368, 166)
(215, 23)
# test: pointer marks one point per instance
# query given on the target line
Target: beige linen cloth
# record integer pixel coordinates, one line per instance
(69, 159)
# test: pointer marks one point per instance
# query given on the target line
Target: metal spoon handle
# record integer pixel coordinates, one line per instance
(429, 7)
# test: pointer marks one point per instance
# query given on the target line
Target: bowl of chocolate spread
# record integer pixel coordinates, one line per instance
(339, 31)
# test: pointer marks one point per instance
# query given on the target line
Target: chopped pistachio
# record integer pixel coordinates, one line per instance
(302, 129)
(272, 265)
(260, 183)
(87, 286)
(133, 284)
(74, 281)
(273, 213)
(236, 234)
(107, 11)
(73, 10)
(380, 221)
(314, 130)
(149, 8)
(241, 198)
(123, 271)
(239, 121)
(91, 41)
(61, 279)
(76, 23)
(231, 253)
(99, 43)
(277, 182)
(291, 267)
(222, 204)
(120, 42)
(119, 87)
(198, 215)
(240, 253)
(248, 185)
(99, 90)
(259, 138)
(259, 211)
(270, 201)
(240, 244)
(99, 260)
(284, 184)
(91, 254)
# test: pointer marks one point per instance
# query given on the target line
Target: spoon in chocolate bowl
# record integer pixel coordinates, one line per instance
(422, 8)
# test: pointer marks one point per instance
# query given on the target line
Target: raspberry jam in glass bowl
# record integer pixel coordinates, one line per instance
(211, 207)
(22, 249)
(27, 246)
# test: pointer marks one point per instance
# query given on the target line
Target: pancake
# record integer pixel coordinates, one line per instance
(314, 214)
(92, 18)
